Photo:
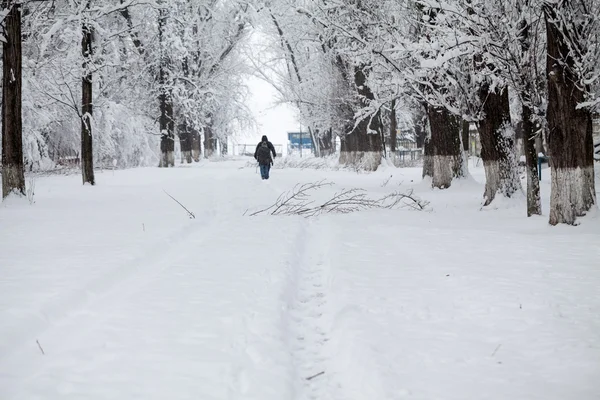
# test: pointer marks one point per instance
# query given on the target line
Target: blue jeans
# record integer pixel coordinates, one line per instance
(264, 171)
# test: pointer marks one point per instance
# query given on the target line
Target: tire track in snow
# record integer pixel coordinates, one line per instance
(306, 319)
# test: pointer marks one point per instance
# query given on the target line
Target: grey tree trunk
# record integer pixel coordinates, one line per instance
(531, 140)
(428, 158)
(210, 141)
(570, 140)
(448, 159)
(465, 135)
(534, 204)
(185, 142)
(497, 145)
(13, 177)
(327, 143)
(196, 146)
(87, 151)
(362, 146)
(166, 121)
(393, 128)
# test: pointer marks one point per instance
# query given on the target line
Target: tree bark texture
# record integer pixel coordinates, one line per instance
(465, 135)
(427, 158)
(87, 149)
(210, 141)
(326, 143)
(196, 145)
(362, 146)
(166, 121)
(497, 145)
(534, 204)
(393, 128)
(185, 142)
(448, 159)
(570, 140)
(13, 177)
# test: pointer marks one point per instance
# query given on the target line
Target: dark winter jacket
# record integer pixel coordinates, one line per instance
(263, 154)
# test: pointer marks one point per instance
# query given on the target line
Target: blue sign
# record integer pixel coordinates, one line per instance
(298, 139)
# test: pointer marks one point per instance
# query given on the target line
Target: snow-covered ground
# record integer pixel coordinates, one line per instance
(112, 292)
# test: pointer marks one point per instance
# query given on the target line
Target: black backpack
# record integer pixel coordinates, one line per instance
(264, 153)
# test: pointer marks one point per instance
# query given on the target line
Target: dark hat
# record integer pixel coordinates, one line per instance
(264, 138)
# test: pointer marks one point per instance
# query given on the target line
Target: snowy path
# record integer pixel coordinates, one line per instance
(306, 319)
(130, 299)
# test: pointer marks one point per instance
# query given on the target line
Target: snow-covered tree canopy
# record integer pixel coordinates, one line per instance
(204, 71)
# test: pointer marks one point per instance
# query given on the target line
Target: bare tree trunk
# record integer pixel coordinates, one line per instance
(324, 143)
(13, 177)
(327, 143)
(185, 142)
(428, 158)
(167, 138)
(209, 141)
(133, 34)
(465, 135)
(570, 140)
(362, 146)
(531, 140)
(196, 146)
(448, 159)
(224, 148)
(534, 204)
(497, 145)
(393, 128)
(419, 122)
(87, 153)
(166, 121)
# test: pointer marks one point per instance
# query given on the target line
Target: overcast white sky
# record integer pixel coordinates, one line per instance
(273, 121)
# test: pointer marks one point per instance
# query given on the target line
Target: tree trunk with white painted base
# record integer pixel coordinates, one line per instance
(185, 142)
(362, 146)
(167, 138)
(210, 141)
(570, 139)
(166, 119)
(13, 177)
(497, 145)
(448, 157)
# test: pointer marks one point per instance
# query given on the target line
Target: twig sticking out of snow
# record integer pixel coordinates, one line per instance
(40, 346)
(314, 376)
(385, 183)
(191, 214)
(497, 348)
(297, 201)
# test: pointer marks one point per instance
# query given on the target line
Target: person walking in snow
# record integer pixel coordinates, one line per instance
(263, 156)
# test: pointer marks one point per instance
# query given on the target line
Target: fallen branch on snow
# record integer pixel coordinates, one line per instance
(40, 347)
(298, 202)
(190, 214)
(316, 375)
